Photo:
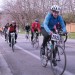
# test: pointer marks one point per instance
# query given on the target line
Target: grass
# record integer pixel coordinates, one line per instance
(71, 35)
(22, 32)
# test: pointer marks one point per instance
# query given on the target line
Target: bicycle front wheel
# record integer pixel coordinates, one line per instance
(60, 61)
(43, 58)
(65, 37)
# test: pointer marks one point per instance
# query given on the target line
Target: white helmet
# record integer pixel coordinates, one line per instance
(55, 8)
(13, 22)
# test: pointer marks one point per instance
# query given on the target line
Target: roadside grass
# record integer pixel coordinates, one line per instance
(22, 32)
(71, 35)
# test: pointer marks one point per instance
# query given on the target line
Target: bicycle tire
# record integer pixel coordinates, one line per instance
(62, 43)
(65, 37)
(43, 58)
(35, 43)
(57, 69)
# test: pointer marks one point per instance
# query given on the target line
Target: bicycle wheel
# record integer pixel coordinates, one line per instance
(65, 37)
(12, 44)
(35, 43)
(43, 58)
(62, 43)
(60, 60)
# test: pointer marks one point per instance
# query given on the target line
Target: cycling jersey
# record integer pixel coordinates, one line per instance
(12, 29)
(50, 21)
(27, 28)
(35, 26)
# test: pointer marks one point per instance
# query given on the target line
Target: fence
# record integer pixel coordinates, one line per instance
(70, 27)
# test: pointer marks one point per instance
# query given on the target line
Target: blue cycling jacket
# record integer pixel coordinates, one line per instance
(50, 21)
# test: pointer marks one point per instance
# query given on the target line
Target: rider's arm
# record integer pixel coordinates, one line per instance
(62, 24)
(39, 27)
(46, 22)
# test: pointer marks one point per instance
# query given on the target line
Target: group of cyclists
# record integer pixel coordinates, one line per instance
(51, 20)
(52, 23)
(8, 29)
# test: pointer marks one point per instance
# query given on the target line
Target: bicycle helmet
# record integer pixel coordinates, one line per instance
(13, 22)
(36, 20)
(55, 8)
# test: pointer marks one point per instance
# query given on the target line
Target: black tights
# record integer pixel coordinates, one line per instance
(46, 38)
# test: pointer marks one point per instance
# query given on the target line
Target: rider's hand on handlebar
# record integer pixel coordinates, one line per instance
(51, 32)
(39, 31)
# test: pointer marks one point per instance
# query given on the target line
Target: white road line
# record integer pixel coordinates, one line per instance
(37, 57)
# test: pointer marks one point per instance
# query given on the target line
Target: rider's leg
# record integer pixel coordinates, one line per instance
(54, 54)
(15, 37)
(32, 34)
(37, 34)
(5, 36)
(46, 38)
(28, 32)
(9, 39)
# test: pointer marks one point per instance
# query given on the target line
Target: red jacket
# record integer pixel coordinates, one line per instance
(12, 29)
(35, 26)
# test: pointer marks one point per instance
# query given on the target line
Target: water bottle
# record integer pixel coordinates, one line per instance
(51, 46)
(48, 46)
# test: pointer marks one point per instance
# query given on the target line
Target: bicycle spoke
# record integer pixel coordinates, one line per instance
(60, 61)
(44, 59)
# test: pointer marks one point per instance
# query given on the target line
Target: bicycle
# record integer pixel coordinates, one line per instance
(27, 35)
(63, 38)
(53, 45)
(12, 40)
(35, 41)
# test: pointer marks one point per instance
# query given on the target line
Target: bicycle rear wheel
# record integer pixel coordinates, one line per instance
(12, 44)
(35, 43)
(60, 60)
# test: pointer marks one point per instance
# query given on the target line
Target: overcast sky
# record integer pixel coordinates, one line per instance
(1, 2)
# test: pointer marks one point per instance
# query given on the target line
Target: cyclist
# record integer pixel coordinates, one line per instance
(5, 30)
(27, 29)
(47, 29)
(12, 28)
(35, 27)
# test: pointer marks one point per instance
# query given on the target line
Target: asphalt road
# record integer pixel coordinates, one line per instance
(26, 59)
